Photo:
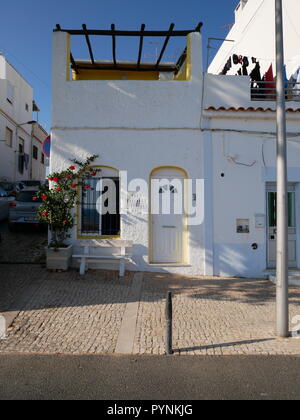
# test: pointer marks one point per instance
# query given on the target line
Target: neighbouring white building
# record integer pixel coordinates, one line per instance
(253, 36)
(21, 155)
(174, 124)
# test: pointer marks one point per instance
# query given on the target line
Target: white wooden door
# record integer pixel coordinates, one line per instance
(167, 226)
(272, 228)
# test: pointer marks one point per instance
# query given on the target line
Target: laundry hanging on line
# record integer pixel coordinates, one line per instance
(235, 60)
(263, 87)
(256, 82)
(294, 85)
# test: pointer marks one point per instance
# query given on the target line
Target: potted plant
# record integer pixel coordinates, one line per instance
(57, 209)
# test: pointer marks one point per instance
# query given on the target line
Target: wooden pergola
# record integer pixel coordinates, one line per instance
(138, 66)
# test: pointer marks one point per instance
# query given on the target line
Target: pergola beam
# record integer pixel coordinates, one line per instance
(114, 44)
(165, 44)
(128, 33)
(181, 60)
(74, 65)
(101, 66)
(86, 34)
(141, 34)
(141, 45)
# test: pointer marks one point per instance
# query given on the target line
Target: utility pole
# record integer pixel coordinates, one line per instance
(282, 304)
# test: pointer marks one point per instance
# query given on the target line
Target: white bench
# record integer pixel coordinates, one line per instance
(120, 256)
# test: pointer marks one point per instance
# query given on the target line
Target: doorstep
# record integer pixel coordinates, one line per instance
(169, 265)
(294, 279)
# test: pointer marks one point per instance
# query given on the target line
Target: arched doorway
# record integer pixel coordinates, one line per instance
(168, 224)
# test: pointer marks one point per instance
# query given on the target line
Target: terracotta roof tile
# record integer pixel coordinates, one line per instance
(249, 109)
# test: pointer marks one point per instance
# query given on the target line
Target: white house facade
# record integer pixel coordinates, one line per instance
(199, 133)
(18, 138)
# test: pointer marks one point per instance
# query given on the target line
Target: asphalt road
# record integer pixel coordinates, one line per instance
(3, 226)
(165, 378)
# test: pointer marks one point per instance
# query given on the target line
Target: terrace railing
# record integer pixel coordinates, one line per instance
(266, 91)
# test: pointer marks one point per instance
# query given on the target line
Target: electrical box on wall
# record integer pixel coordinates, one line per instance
(242, 225)
(260, 221)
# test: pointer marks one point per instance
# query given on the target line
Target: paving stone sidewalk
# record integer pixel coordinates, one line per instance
(69, 313)
(213, 316)
(25, 245)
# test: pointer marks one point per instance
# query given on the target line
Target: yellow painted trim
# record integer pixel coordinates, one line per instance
(78, 213)
(102, 166)
(98, 237)
(185, 230)
(189, 59)
(68, 63)
(87, 74)
(170, 167)
(186, 71)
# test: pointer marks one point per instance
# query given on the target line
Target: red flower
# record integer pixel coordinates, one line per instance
(50, 178)
(34, 198)
(58, 189)
(72, 167)
(44, 197)
(94, 173)
(44, 214)
(64, 222)
(74, 185)
(55, 179)
(87, 187)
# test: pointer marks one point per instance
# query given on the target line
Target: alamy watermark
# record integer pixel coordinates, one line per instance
(162, 196)
(2, 327)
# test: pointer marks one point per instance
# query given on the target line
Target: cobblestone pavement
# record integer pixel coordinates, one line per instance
(212, 316)
(25, 245)
(68, 313)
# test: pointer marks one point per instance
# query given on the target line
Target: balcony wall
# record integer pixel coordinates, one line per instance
(235, 92)
(123, 103)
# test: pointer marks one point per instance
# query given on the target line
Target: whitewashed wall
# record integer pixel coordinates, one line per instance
(139, 126)
(254, 36)
(134, 126)
(10, 116)
(241, 192)
(38, 171)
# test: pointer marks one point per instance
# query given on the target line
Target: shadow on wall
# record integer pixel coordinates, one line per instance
(239, 260)
(217, 90)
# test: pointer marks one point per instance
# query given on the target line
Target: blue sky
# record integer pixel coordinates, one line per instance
(26, 31)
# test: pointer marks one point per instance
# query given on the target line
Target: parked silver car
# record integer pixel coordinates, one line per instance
(12, 188)
(31, 183)
(5, 199)
(23, 210)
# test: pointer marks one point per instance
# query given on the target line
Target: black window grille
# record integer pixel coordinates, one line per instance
(93, 223)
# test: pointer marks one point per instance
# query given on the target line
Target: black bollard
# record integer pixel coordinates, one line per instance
(169, 319)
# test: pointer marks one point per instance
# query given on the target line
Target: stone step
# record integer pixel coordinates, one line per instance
(294, 278)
